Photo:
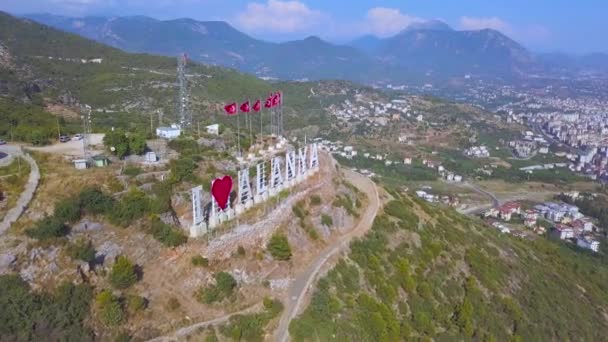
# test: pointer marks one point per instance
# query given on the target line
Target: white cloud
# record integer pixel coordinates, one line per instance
(279, 17)
(382, 21)
(474, 23)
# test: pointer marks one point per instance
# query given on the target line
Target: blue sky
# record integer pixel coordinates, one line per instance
(542, 25)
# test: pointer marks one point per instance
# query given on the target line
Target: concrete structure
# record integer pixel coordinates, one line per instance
(151, 157)
(168, 132)
(81, 164)
(213, 129)
(588, 243)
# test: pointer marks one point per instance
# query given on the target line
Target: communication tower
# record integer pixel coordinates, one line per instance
(86, 130)
(184, 116)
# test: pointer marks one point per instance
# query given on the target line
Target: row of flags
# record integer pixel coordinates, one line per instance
(272, 101)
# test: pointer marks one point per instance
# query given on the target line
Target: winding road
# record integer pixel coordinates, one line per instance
(28, 193)
(304, 281)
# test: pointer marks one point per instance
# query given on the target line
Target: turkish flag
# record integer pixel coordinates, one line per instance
(230, 109)
(276, 99)
(245, 107)
(268, 103)
(257, 106)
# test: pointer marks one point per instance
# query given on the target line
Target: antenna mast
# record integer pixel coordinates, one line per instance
(86, 130)
(184, 116)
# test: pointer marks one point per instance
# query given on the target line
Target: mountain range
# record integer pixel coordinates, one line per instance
(423, 51)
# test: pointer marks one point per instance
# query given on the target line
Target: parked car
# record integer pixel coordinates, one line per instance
(2, 142)
(64, 138)
(77, 137)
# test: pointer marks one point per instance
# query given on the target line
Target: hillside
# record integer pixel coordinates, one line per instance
(421, 48)
(50, 71)
(218, 43)
(424, 272)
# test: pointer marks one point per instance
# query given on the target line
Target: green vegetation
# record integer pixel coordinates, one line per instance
(136, 304)
(48, 228)
(29, 123)
(81, 249)
(182, 169)
(200, 261)
(392, 288)
(278, 246)
(122, 144)
(315, 200)
(590, 205)
(223, 288)
(326, 220)
(123, 273)
(110, 309)
(32, 316)
(251, 327)
(166, 235)
(395, 173)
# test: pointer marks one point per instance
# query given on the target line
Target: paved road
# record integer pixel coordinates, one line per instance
(27, 194)
(303, 282)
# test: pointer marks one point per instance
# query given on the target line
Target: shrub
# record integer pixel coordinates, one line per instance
(223, 288)
(94, 201)
(81, 249)
(241, 251)
(273, 306)
(166, 235)
(111, 312)
(136, 303)
(132, 171)
(182, 169)
(48, 228)
(199, 261)
(326, 220)
(68, 210)
(315, 200)
(123, 273)
(279, 248)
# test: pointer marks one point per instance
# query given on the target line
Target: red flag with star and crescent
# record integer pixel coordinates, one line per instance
(245, 108)
(257, 106)
(231, 109)
(268, 103)
(276, 99)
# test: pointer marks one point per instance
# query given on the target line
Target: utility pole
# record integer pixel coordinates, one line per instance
(58, 129)
(151, 124)
(198, 128)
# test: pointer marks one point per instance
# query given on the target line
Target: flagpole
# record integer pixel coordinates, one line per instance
(261, 124)
(238, 134)
(250, 120)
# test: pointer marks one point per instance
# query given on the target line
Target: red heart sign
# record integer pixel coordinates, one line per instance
(220, 189)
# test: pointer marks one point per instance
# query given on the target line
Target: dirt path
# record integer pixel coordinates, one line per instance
(181, 334)
(303, 281)
(28, 193)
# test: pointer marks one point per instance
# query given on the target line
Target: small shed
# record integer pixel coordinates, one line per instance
(213, 129)
(100, 160)
(168, 132)
(80, 164)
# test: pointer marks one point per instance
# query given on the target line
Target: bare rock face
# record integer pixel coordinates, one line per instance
(170, 219)
(107, 253)
(7, 260)
(5, 56)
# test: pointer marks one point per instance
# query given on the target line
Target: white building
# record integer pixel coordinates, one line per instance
(588, 243)
(213, 129)
(168, 132)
